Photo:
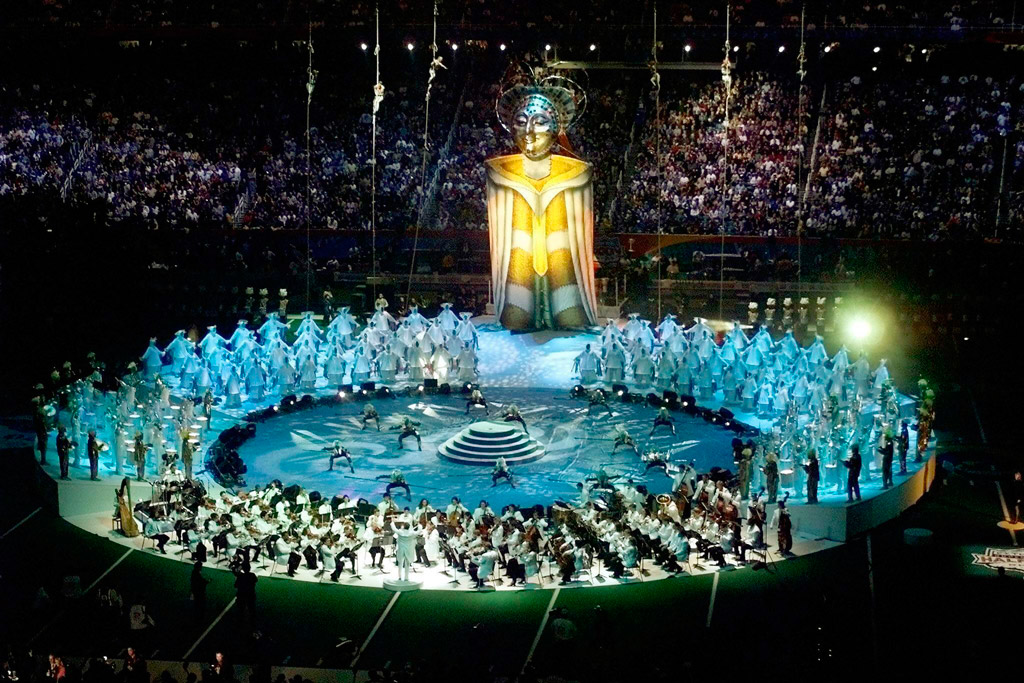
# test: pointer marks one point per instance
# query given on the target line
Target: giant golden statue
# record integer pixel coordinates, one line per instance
(540, 211)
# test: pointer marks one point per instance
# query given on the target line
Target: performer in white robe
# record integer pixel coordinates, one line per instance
(447, 319)
(417, 323)
(255, 381)
(241, 332)
(334, 369)
(881, 376)
(233, 387)
(418, 359)
(614, 363)
(466, 331)
(588, 365)
(152, 359)
(286, 376)
(360, 367)
(211, 341)
(271, 328)
(668, 328)
(633, 326)
(389, 362)
(382, 319)
(466, 361)
(179, 349)
(643, 368)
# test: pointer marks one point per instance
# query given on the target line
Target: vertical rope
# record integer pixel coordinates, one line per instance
(310, 84)
(656, 82)
(378, 97)
(800, 72)
(435, 62)
(727, 82)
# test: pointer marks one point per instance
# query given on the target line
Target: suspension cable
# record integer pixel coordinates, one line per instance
(800, 72)
(727, 82)
(310, 84)
(656, 82)
(435, 62)
(378, 97)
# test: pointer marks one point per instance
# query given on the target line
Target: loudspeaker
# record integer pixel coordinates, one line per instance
(654, 400)
(445, 389)
(429, 383)
(616, 388)
(368, 386)
(669, 395)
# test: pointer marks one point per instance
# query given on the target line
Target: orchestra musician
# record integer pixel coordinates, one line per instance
(64, 447)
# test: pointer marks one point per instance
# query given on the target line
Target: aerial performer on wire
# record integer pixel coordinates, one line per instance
(540, 209)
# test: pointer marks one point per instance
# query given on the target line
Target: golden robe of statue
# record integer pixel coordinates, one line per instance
(540, 213)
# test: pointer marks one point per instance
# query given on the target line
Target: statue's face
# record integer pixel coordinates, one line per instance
(535, 126)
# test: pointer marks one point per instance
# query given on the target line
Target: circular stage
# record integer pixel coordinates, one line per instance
(564, 446)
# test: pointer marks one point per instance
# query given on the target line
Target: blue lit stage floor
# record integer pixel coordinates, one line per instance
(289, 448)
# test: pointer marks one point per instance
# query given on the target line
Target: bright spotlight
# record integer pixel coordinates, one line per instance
(409, 46)
(363, 46)
(828, 48)
(924, 50)
(593, 47)
(736, 48)
(877, 49)
(455, 46)
(782, 48)
(341, 394)
(547, 47)
(874, 68)
(502, 47)
(860, 328)
(687, 48)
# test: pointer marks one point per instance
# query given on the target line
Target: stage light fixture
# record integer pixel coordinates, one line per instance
(877, 49)
(502, 47)
(455, 46)
(579, 391)
(860, 328)
(736, 48)
(874, 68)
(409, 47)
(687, 48)
(277, 408)
(420, 388)
(445, 389)
(384, 392)
(593, 47)
(654, 401)
(363, 46)
(924, 50)
(828, 48)
(547, 48)
(782, 48)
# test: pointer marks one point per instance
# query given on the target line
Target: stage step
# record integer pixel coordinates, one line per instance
(482, 443)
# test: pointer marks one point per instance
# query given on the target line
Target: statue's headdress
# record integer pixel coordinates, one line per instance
(521, 83)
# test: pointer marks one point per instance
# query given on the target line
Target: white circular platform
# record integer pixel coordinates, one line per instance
(482, 443)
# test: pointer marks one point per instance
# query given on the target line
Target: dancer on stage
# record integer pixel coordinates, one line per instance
(408, 428)
(501, 471)
(396, 480)
(139, 451)
(370, 413)
(600, 399)
(853, 465)
(64, 447)
(656, 460)
(622, 438)
(663, 418)
(813, 471)
(476, 398)
(512, 414)
(339, 452)
(93, 447)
